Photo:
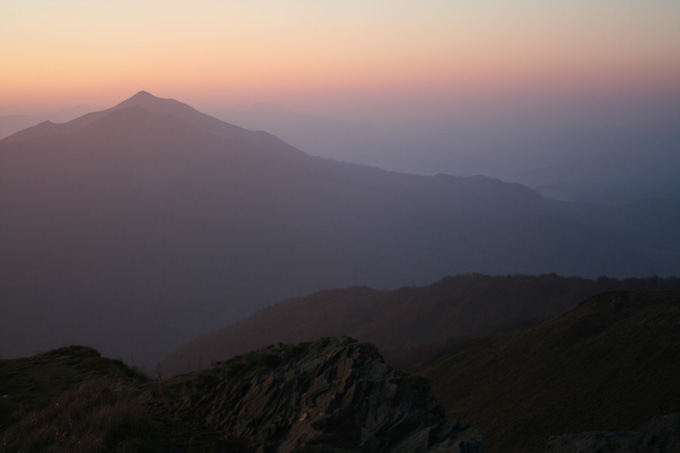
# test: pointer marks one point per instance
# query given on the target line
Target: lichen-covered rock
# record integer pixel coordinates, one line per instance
(328, 395)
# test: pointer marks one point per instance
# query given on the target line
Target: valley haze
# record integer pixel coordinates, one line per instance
(593, 148)
(135, 229)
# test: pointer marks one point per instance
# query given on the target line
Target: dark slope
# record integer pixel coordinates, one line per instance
(454, 308)
(611, 363)
(72, 399)
(659, 435)
(329, 395)
(142, 226)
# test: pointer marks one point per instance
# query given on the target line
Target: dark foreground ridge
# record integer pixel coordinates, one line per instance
(328, 395)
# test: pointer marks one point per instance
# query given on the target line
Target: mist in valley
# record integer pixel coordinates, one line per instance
(610, 149)
(598, 148)
(139, 227)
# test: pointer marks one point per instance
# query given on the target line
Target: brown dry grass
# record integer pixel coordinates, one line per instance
(611, 363)
(73, 400)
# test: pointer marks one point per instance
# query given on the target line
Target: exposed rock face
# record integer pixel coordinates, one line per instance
(328, 395)
(662, 434)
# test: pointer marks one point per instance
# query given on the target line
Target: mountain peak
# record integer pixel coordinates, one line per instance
(143, 95)
(144, 99)
(148, 101)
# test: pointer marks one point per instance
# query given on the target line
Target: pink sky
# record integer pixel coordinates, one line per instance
(316, 54)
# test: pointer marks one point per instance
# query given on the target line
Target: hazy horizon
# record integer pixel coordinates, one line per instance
(603, 149)
(525, 91)
(353, 56)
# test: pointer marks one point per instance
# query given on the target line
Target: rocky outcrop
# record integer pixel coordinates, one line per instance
(328, 395)
(660, 435)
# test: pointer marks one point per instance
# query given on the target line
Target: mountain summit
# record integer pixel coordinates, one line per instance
(146, 100)
(142, 97)
(150, 223)
(162, 116)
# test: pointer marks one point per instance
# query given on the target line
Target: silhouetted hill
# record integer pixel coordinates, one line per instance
(137, 228)
(611, 363)
(403, 322)
(9, 124)
(329, 395)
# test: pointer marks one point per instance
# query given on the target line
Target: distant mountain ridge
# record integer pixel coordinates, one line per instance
(142, 226)
(599, 152)
(408, 324)
(10, 124)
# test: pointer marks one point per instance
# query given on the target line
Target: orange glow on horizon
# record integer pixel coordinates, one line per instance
(87, 53)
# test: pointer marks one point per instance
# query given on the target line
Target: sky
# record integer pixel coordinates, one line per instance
(363, 56)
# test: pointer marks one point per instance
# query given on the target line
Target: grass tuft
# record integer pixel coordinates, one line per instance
(94, 417)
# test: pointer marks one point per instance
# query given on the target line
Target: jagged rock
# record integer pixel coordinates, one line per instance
(328, 395)
(660, 435)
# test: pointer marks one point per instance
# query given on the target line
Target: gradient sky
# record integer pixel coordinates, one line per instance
(307, 54)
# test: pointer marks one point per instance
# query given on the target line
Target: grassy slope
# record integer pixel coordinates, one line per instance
(610, 363)
(72, 399)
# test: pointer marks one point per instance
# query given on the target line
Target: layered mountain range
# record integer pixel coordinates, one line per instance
(600, 377)
(409, 324)
(136, 228)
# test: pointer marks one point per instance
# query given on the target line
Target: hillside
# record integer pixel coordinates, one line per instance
(72, 399)
(137, 228)
(329, 395)
(401, 321)
(611, 363)
(601, 377)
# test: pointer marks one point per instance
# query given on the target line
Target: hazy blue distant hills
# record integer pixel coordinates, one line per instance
(142, 226)
(651, 224)
(595, 150)
(613, 177)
